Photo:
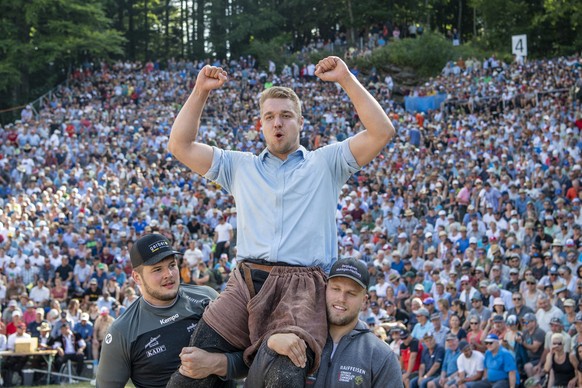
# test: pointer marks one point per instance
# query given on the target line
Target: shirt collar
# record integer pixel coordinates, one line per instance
(301, 152)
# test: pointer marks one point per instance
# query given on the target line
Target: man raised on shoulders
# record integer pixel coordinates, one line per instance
(286, 200)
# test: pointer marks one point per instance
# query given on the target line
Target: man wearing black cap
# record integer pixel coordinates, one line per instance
(145, 343)
(470, 364)
(358, 355)
(398, 314)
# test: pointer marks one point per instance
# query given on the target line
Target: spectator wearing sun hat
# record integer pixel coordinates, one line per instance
(440, 331)
(85, 329)
(100, 327)
(441, 221)
(17, 319)
(15, 363)
(409, 223)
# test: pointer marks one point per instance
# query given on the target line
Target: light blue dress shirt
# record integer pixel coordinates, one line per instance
(286, 209)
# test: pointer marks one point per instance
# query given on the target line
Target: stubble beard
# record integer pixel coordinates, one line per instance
(345, 320)
(163, 296)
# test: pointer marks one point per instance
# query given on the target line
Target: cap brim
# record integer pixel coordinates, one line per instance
(161, 256)
(349, 277)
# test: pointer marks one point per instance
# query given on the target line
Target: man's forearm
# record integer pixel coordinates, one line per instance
(412, 362)
(475, 377)
(512, 379)
(433, 369)
(369, 110)
(236, 366)
(220, 362)
(185, 127)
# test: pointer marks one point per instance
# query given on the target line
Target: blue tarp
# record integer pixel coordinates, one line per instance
(423, 104)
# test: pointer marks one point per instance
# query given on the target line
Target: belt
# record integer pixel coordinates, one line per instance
(260, 267)
(246, 267)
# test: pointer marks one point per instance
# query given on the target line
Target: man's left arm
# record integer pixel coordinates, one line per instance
(436, 366)
(390, 371)
(512, 379)
(367, 144)
(433, 370)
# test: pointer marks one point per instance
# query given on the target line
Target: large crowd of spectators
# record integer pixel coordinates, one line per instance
(471, 214)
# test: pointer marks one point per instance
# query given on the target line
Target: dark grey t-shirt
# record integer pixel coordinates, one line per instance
(144, 342)
(538, 335)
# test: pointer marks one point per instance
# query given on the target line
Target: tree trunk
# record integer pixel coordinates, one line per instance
(131, 31)
(167, 28)
(474, 22)
(352, 34)
(198, 29)
(146, 29)
(459, 21)
(427, 10)
(120, 12)
(182, 21)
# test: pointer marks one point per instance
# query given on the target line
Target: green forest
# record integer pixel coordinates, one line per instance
(41, 41)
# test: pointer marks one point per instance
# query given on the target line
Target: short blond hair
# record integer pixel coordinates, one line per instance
(557, 336)
(283, 93)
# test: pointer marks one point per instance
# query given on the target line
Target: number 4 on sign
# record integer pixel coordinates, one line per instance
(519, 45)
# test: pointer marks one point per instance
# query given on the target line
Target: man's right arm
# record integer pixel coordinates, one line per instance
(198, 364)
(182, 144)
(114, 364)
(412, 361)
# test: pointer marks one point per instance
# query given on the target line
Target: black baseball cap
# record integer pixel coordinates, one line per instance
(151, 249)
(352, 269)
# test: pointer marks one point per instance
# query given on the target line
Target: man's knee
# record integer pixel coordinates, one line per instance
(284, 374)
(414, 382)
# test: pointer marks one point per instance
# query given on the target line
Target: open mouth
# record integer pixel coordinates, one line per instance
(339, 308)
